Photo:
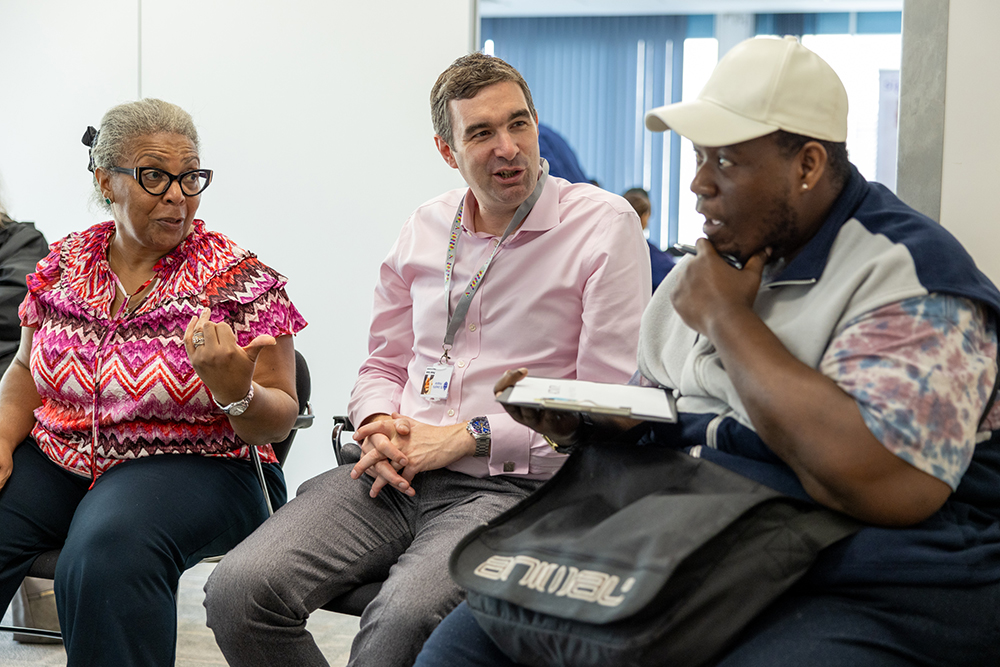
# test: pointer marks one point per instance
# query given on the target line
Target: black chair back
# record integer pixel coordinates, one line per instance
(303, 387)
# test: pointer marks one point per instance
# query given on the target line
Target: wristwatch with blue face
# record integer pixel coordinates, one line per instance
(479, 429)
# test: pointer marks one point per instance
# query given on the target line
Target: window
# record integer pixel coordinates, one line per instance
(701, 54)
(858, 60)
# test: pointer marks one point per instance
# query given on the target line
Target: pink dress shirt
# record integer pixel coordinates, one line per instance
(563, 298)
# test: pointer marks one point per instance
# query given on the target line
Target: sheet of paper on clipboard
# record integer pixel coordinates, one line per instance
(644, 403)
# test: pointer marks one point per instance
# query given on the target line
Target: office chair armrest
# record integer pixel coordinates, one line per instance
(347, 453)
(305, 420)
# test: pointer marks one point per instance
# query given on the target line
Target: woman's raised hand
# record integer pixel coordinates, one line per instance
(226, 368)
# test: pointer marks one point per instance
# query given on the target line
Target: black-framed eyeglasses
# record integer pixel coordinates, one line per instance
(155, 181)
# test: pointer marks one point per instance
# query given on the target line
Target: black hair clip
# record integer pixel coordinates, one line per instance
(89, 136)
(89, 139)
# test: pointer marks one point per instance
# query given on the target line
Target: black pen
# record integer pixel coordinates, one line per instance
(679, 249)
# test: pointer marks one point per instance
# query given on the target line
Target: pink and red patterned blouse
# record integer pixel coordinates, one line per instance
(133, 372)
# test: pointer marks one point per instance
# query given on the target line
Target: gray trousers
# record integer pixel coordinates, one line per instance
(332, 538)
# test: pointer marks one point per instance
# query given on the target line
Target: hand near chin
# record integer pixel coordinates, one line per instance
(709, 288)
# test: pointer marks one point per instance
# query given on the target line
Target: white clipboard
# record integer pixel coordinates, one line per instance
(642, 403)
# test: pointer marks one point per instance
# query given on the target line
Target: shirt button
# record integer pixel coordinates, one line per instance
(451, 413)
(472, 327)
(460, 363)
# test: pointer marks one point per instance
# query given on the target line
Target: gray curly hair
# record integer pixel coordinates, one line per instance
(125, 122)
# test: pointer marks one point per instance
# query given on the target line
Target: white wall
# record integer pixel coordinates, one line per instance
(313, 114)
(971, 172)
(53, 83)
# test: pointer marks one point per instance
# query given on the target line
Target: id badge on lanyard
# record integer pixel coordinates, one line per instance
(437, 377)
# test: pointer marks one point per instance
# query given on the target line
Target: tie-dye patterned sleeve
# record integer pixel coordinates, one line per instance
(921, 371)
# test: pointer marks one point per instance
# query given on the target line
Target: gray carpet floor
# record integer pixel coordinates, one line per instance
(195, 643)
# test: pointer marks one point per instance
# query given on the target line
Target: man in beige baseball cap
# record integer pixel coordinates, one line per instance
(767, 98)
(849, 363)
(811, 358)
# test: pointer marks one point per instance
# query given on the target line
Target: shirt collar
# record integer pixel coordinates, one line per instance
(544, 214)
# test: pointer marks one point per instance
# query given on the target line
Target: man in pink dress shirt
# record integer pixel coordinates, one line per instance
(519, 270)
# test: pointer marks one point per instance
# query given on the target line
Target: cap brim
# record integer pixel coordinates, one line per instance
(706, 124)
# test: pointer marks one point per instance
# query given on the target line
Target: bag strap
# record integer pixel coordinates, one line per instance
(824, 526)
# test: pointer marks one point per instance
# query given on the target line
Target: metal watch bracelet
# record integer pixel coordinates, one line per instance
(236, 408)
(479, 429)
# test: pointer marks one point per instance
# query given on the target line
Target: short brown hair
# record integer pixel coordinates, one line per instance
(639, 199)
(463, 80)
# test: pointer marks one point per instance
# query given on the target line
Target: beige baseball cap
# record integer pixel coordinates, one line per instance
(761, 86)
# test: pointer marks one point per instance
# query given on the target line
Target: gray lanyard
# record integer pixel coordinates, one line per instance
(456, 319)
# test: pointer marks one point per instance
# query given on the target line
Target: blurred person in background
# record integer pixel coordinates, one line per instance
(560, 155)
(21, 246)
(659, 261)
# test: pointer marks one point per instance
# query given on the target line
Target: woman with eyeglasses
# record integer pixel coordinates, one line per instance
(156, 357)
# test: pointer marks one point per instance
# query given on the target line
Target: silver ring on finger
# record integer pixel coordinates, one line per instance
(198, 338)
